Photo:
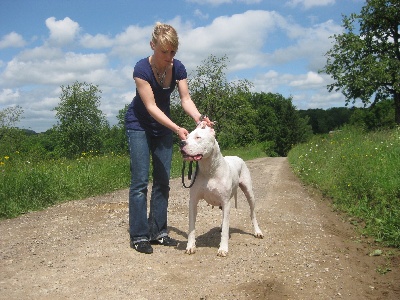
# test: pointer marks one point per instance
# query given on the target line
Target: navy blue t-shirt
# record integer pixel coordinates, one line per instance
(137, 117)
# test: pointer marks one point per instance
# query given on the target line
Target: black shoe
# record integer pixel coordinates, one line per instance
(166, 241)
(142, 247)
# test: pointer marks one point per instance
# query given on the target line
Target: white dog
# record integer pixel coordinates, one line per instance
(217, 181)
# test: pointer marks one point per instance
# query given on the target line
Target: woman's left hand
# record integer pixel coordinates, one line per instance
(207, 120)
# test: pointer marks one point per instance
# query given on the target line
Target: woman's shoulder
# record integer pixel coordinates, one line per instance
(178, 63)
(180, 69)
(143, 63)
(142, 68)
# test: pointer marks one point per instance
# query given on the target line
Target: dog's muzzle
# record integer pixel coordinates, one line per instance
(186, 156)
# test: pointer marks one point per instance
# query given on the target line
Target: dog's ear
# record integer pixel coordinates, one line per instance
(212, 131)
(202, 125)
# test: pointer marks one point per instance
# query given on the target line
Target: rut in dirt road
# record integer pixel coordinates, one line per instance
(80, 250)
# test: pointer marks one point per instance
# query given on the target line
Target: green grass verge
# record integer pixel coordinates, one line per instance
(360, 172)
(27, 185)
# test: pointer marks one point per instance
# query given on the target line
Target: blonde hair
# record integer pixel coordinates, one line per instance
(165, 35)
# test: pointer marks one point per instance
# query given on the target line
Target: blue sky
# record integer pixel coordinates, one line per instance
(279, 46)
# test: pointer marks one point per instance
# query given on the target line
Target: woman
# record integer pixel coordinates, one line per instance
(150, 132)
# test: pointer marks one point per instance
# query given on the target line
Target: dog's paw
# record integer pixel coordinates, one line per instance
(222, 253)
(191, 250)
(259, 235)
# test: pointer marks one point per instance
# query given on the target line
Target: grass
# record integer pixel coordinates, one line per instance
(360, 172)
(27, 185)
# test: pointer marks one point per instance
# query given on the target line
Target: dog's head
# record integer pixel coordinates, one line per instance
(199, 143)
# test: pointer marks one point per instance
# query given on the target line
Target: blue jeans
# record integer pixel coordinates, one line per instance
(141, 146)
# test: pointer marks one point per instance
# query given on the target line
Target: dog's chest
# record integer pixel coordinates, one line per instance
(214, 191)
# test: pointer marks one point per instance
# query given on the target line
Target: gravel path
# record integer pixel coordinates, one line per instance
(80, 250)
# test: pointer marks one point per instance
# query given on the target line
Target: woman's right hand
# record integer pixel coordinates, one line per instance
(182, 133)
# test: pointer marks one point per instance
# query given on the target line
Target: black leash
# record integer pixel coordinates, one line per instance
(189, 173)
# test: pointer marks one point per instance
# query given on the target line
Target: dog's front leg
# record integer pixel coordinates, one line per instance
(223, 247)
(191, 245)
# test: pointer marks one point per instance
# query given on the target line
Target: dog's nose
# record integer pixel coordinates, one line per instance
(182, 143)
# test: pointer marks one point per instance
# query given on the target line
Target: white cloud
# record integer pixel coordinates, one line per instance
(241, 37)
(39, 53)
(198, 13)
(307, 4)
(245, 37)
(8, 96)
(62, 32)
(97, 41)
(307, 43)
(220, 2)
(268, 82)
(212, 2)
(46, 104)
(306, 90)
(325, 100)
(34, 67)
(249, 1)
(132, 43)
(311, 80)
(12, 39)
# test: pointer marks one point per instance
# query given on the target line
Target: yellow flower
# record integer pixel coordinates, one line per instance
(6, 157)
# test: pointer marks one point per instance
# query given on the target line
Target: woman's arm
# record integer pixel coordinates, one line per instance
(186, 101)
(147, 96)
(188, 105)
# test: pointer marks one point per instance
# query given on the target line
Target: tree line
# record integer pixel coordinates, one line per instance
(242, 118)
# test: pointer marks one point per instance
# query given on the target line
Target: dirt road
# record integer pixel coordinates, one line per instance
(80, 250)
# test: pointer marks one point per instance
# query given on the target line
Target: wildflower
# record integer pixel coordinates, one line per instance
(6, 157)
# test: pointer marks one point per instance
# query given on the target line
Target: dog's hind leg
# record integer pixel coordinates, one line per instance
(246, 186)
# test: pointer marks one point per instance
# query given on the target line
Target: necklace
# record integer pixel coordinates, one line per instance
(160, 76)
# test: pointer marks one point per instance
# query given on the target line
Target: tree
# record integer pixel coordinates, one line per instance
(367, 64)
(223, 101)
(323, 121)
(10, 136)
(380, 115)
(279, 123)
(10, 116)
(80, 121)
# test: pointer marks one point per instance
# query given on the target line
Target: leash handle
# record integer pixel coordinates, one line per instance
(190, 170)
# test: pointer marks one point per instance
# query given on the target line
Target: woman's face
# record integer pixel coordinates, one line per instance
(163, 55)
